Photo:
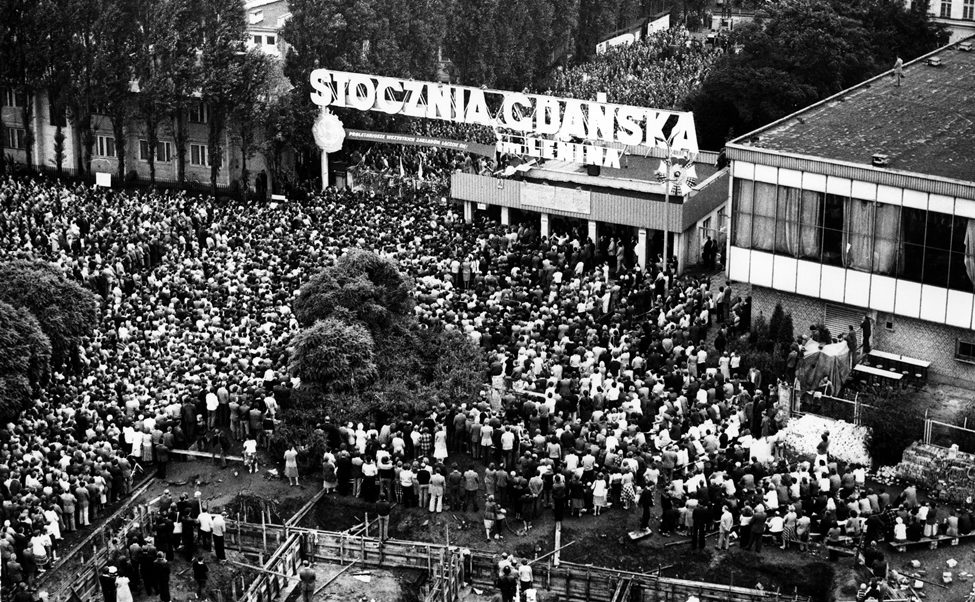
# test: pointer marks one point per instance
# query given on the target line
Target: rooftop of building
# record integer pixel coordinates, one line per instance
(924, 126)
(266, 14)
(636, 173)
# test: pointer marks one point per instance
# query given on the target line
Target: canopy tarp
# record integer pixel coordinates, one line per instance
(824, 360)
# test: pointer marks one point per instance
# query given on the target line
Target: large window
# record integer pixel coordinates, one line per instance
(13, 98)
(968, 10)
(105, 146)
(198, 155)
(198, 112)
(927, 247)
(14, 138)
(945, 9)
(164, 151)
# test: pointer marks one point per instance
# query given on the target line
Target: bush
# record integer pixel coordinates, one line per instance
(334, 356)
(25, 354)
(66, 312)
(894, 424)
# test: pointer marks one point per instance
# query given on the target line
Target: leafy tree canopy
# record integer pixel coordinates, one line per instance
(66, 312)
(25, 353)
(362, 285)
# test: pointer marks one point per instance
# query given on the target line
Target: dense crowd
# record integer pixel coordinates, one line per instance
(661, 70)
(608, 383)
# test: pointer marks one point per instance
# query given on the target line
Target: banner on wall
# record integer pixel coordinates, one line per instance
(475, 148)
(541, 196)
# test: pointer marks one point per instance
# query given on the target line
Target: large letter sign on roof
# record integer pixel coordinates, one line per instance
(565, 119)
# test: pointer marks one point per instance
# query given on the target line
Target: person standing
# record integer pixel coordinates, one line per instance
(307, 576)
(757, 527)
(490, 516)
(122, 591)
(702, 517)
(107, 581)
(525, 576)
(200, 573)
(291, 466)
(725, 524)
(218, 528)
(437, 485)
(472, 484)
(866, 328)
(162, 576)
(383, 508)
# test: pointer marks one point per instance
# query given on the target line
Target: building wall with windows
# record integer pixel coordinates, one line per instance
(821, 225)
(904, 256)
(958, 16)
(104, 152)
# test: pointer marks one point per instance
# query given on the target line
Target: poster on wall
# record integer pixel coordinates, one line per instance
(540, 196)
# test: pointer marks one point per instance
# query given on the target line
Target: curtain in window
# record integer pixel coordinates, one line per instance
(970, 250)
(787, 227)
(886, 227)
(744, 190)
(858, 235)
(763, 224)
(812, 236)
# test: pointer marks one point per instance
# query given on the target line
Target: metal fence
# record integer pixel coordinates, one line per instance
(74, 175)
(943, 434)
(837, 408)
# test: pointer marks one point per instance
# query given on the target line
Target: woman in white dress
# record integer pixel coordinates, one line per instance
(122, 591)
(440, 444)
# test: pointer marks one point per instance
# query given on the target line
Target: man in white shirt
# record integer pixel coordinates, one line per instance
(218, 527)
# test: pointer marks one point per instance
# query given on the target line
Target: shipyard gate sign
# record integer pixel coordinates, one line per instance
(531, 125)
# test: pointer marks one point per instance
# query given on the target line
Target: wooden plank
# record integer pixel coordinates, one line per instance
(198, 454)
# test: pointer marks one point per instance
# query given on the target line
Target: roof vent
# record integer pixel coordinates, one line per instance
(880, 160)
(966, 47)
(935, 61)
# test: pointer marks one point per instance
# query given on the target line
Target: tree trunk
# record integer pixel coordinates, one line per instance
(217, 119)
(178, 118)
(152, 138)
(118, 130)
(28, 115)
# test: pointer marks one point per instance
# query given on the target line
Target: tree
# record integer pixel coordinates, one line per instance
(25, 354)
(799, 51)
(895, 420)
(23, 60)
(775, 325)
(334, 356)
(114, 68)
(222, 70)
(260, 82)
(362, 355)
(66, 312)
(360, 286)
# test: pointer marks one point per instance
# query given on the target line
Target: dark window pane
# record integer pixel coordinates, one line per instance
(912, 263)
(936, 267)
(833, 229)
(960, 273)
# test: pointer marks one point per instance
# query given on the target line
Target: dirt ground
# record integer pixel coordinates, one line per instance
(366, 585)
(601, 541)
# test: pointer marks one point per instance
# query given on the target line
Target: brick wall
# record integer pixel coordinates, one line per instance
(914, 338)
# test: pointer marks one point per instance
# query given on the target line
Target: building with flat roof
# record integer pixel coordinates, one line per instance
(864, 203)
(626, 202)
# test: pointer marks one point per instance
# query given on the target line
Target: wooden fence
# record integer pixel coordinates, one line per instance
(447, 569)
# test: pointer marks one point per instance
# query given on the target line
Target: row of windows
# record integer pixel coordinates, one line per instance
(967, 10)
(923, 246)
(199, 153)
(265, 40)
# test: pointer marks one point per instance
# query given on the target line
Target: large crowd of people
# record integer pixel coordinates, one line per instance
(661, 70)
(610, 386)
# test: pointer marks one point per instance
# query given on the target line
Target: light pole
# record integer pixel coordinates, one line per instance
(668, 179)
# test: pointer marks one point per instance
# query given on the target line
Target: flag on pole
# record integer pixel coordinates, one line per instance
(402, 172)
(420, 173)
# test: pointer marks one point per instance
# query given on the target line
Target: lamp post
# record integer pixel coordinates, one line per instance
(669, 178)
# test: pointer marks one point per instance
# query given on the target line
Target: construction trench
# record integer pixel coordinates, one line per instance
(447, 573)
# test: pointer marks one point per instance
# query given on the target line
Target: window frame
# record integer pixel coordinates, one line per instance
(200, 150)
(19, 136)
(945, 10)
(968, 358)
(198, 113)
(160, 145)
(968, 10)
(101, 147)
